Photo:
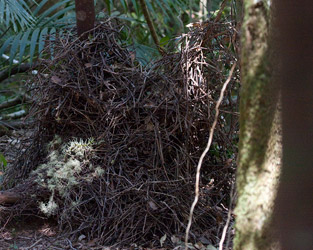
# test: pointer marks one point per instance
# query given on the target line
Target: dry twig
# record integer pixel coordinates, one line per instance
(148, 125)
(204, 154)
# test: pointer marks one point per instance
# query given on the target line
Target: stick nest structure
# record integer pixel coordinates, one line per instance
(117, 144)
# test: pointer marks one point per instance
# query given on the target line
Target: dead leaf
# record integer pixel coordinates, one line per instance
(93, 242)
(6, 236)
(175, 240)
(81, 237)
(204, 240)
(132, 56)
(55, 79)
(150, 126)
(199, 245)
(211, 247)
(163, 238)
(88, 65)
(228, 162)
(152, 205)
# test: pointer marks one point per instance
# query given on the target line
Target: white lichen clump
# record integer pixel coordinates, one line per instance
(50, 208)
(67, 165)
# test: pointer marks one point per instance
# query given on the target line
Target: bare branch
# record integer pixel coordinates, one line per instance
(151, 26)
(7, 197)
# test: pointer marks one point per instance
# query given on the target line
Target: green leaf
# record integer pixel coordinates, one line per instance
(33, 43)
(14, 48)
(23, 44)
(42, 39)
(39, 7)
(52, 35)
(124, 4)
(108, 4)
(1, 8)
(136, 7)
(50, 10)
(5, 45)
(164, 40)
(15, 13)
(3, 160)
(7, 15)
(58, 14)
(135, 20)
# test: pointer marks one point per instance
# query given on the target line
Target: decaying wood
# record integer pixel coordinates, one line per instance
(7, 197)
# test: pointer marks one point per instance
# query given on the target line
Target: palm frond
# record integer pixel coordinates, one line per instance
(15, 13)
(29, 42)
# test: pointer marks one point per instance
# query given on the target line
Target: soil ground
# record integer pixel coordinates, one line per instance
(41, 234)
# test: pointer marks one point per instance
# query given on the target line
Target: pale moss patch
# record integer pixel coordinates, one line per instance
(68, 164)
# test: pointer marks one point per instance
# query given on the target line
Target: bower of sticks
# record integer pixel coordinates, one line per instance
(116, 144)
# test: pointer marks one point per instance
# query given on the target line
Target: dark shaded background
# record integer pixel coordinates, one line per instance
(293, 30)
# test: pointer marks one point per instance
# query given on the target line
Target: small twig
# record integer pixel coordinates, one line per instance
(4, 130)
(30, 247)
(17, 124)
(204, 154)
(220, 12)
(217, 19)
(71, 246)
(151, 26)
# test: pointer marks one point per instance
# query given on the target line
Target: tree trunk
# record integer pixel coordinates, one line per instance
(260, 135)
(85, 17)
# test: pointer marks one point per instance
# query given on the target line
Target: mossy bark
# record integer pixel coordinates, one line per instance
(260, 135)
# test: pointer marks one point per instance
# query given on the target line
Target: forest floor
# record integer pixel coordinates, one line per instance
(39, 234)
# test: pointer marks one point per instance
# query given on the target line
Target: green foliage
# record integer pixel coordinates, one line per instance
(3, 161)
(169, 17)
(15, 13)
(26, 27)
(165, 14)
(3, 164)
(26, 24)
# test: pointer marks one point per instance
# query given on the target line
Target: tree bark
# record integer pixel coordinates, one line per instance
(260, 135)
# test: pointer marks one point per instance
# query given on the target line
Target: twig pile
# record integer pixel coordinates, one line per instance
(140, 134)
